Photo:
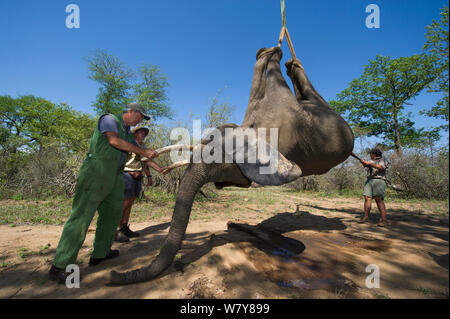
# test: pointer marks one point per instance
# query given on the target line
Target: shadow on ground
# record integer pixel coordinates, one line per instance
(269, 237)
(266, 236)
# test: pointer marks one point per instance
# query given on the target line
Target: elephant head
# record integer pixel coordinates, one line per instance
(312, 139)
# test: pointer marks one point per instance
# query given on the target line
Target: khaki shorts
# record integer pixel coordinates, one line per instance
(375, 187)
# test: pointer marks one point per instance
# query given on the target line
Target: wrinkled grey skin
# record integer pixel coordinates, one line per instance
(311, 136)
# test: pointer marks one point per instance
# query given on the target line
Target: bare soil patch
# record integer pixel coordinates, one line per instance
(317, 251)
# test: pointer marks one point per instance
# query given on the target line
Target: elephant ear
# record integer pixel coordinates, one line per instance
(257, 159)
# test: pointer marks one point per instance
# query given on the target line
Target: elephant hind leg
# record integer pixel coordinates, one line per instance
(304, 90)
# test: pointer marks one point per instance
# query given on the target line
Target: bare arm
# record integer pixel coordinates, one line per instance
(147, 171)
(153, 165)
(115, 141)
(149, 177)
(156, 167)
(367, 163)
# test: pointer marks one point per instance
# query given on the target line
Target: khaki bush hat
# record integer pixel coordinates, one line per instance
(138, 128)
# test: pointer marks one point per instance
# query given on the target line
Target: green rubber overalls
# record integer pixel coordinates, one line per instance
(99, 187)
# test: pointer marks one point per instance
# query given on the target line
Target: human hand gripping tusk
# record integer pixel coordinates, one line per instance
(149, 154)
(170, 148)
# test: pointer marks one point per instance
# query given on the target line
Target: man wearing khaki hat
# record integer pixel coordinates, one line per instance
(99, 187)
(133, 175)
(375, 186)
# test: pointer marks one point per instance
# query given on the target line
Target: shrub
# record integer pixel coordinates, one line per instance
(422, 175)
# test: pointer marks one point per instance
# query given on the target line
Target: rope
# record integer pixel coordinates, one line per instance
(291, 46)
(283, 14)
(284, 31)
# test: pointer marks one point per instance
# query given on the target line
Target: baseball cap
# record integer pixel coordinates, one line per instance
(138, 107)
(376, 151)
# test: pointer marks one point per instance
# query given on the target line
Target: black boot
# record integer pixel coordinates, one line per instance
(121, 237)
(113, 253)
(59, 275)
(128, 232)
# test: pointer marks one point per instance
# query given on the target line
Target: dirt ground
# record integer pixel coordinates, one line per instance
(314, 248)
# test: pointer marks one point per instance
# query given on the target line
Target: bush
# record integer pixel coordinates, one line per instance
(346, 177)
(416, 172)
(422, 175)
(48, 173)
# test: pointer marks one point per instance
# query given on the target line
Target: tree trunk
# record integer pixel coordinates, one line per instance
(397, 142)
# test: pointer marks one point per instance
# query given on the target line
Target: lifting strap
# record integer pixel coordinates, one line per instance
(284, 31)
(283, 13)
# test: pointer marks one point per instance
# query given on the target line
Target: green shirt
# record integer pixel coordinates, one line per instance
(372, 172)
(100, 148)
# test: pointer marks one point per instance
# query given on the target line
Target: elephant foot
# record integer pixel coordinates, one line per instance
(268, 51)
(293, 63)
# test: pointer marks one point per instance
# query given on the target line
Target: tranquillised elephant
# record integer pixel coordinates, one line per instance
(312, 139)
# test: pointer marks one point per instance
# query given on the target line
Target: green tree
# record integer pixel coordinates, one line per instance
(12, 124)
(219, 112)
(436, 46)
(120, 85)
(376, 102)
(150, 91)
(31, 123)
(41, 145)
(114, 77)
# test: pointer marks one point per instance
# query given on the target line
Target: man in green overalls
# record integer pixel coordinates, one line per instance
(100, 187)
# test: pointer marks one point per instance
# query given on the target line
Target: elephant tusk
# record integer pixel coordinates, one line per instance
(167, 149)
(170, 148)
(177, 164)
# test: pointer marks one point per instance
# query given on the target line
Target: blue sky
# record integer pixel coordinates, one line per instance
(202, 46)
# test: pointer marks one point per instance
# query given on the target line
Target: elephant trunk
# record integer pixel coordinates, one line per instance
(194, 178)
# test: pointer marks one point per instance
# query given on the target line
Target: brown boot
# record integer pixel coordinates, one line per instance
(382, 223)
(363, 220)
